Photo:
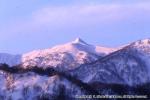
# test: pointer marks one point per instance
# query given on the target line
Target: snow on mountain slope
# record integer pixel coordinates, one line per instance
(10, 59)
(130, 65)
(31, 86)
(143, 46)
(71, 54)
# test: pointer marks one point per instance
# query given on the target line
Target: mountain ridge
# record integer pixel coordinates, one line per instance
(77, 51)
(124, 71)
(129, 65)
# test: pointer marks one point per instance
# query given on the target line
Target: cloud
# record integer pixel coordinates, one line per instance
(80, 16)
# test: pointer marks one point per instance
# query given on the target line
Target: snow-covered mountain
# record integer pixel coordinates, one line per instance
(32, 86)
(71, 54)
(129, 65)
(85, 64)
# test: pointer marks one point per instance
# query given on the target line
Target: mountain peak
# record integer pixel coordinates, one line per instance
(146, 41)
(79, 41)
(143, 42)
